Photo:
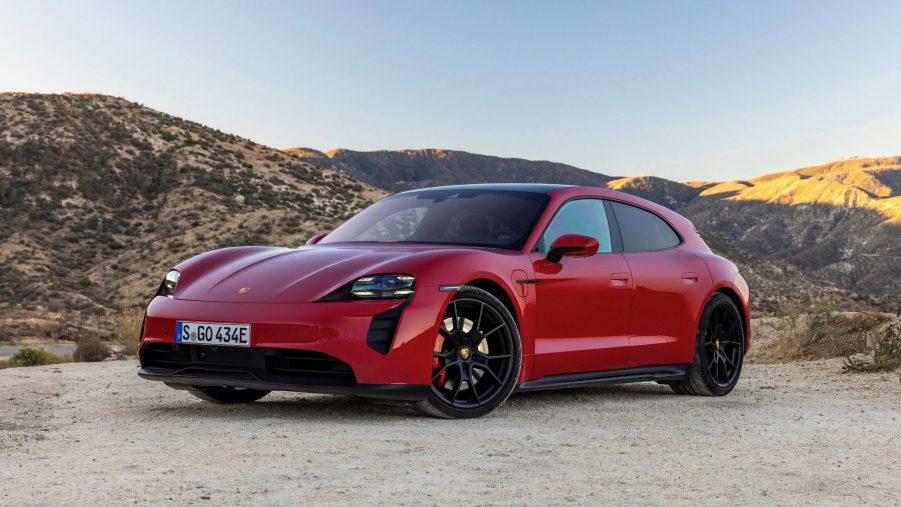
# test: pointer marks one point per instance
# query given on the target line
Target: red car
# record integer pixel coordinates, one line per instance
(452, 298)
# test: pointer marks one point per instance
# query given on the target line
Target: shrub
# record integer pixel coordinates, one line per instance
(816, 330)
(128, 330)
(883, 351)
(91, 349)
(34, 356)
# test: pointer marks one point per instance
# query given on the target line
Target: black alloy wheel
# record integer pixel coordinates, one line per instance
(723, 345)
(476, 358)
(719, 350)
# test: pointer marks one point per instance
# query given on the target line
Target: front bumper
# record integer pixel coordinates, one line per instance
(333, 330)
(184, 366)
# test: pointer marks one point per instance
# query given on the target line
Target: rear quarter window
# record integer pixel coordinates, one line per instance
(643, 231)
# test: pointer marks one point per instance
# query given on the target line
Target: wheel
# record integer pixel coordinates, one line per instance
(227, 394)
(477, 357)
(719, 350)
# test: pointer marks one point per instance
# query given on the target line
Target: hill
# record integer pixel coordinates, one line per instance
(831, 228)
(405, 169)
(841, 220)
(99, 197)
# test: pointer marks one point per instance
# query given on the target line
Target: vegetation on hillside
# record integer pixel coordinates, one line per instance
(100, 196)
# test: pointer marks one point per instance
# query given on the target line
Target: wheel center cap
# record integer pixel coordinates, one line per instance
(464, 353)
(717, 344)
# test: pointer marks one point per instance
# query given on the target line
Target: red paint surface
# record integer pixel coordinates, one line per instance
(606, 311)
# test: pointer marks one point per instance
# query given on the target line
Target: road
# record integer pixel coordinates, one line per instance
(95, 434)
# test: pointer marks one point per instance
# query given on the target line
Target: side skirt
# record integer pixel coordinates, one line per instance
(673, 372)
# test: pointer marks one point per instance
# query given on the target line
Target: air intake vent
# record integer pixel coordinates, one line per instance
(276, 365)
(383, 327)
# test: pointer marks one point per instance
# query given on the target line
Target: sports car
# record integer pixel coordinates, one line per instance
(452, 298)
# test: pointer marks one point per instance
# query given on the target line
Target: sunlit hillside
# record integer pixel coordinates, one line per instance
(831, 229)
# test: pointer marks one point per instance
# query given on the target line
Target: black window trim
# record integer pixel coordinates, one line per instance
(615, 239)
(619, 234)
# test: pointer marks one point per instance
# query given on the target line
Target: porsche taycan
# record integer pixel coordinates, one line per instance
(452, 298)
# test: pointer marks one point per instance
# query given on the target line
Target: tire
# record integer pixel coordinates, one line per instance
(492, 363)
(227, 395)
(719, 350)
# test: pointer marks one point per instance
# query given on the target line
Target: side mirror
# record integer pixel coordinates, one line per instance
(316, 239)
(572, 245)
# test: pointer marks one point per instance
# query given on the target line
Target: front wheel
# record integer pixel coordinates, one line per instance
(476, 359)
(227, 395)
(719, 350)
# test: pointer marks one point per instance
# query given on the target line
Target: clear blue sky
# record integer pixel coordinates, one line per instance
(683, 90)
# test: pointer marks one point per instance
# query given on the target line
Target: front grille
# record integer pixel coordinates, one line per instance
(266, 364)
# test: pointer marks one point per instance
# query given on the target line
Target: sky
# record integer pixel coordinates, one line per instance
(682, 90)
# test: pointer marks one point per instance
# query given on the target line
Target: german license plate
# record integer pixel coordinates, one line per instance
(211, 333)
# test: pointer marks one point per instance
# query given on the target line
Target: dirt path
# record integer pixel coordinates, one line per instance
(95, 434)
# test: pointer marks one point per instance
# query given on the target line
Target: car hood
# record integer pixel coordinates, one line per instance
(283, 275)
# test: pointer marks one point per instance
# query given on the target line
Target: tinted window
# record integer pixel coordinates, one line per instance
(583, 216)
(643, 231)
(477, 217)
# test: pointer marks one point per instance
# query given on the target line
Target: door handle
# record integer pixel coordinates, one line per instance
(619, 277)
(689, 275)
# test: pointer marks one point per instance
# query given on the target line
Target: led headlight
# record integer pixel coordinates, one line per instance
(383, 286)
(169, 284)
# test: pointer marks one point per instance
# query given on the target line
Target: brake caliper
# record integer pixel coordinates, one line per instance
(438, 363)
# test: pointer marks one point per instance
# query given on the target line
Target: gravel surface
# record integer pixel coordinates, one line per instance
(95, 434)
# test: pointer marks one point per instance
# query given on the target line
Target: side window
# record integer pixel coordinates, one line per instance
(643, 231)
(582, 216)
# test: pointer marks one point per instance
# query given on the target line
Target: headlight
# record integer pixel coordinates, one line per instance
(383, 286)
(169, 284)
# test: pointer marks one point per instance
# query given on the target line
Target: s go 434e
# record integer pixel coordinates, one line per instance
(452, 298)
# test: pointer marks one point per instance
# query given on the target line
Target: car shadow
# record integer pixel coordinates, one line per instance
(314, 407)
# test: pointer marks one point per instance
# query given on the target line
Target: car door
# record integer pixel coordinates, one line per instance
(583, 303)
(670, 285)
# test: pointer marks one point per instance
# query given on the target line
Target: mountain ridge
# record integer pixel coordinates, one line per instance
(397, 170)
(99, 196)
(806, 218)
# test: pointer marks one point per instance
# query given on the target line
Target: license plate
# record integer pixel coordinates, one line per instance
(210, 333)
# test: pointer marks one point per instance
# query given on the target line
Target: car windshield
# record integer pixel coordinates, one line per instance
(472, 217)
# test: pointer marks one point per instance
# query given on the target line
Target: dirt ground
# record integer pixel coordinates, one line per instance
(95, 434)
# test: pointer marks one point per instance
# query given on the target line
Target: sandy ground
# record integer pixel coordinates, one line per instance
(95, 434)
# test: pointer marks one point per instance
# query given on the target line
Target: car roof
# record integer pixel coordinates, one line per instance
(538, 188)
(562, 193)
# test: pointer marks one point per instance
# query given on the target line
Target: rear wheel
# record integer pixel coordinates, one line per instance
(476, 358)
(719, 350)
(227, 394)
